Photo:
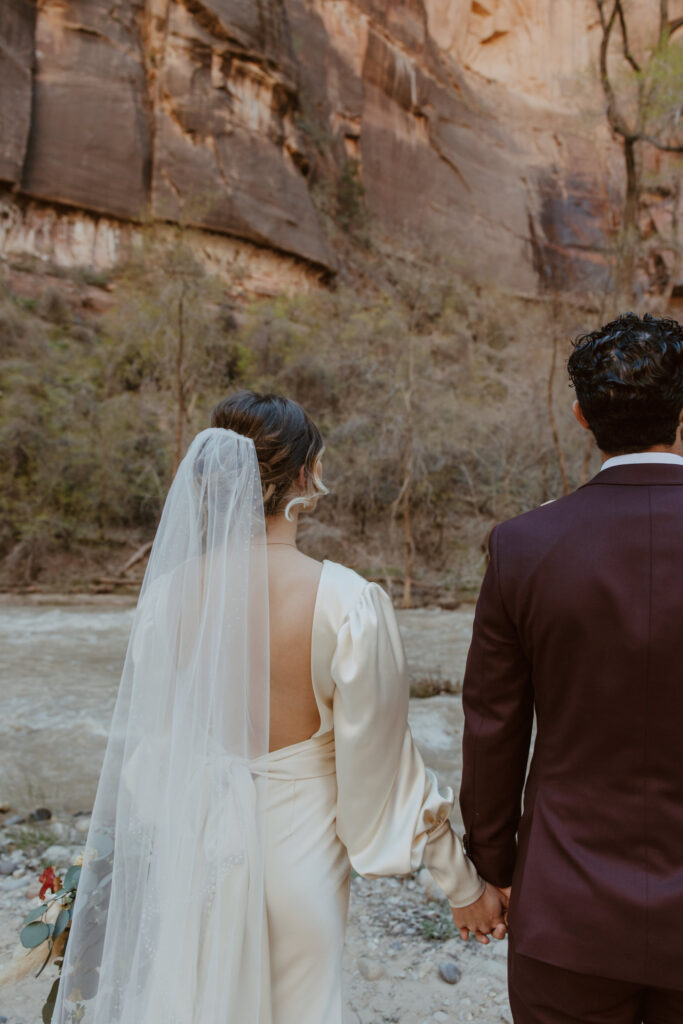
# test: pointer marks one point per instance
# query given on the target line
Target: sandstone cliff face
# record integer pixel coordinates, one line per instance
(175, 109)
(466, 119)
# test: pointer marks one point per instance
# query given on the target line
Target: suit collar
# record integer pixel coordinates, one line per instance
(641, 474)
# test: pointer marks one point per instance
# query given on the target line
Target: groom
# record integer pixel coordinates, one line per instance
(580, 619)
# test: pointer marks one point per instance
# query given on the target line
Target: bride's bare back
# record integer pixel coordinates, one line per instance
(292, 586)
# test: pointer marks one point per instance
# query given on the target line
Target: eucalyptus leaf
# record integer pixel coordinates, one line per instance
(63, 918)
(33, 934)
(49, 1004)
(103, 844)
(72, 877)
(35, 914)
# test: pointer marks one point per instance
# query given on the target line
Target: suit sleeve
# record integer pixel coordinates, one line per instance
(499, 705)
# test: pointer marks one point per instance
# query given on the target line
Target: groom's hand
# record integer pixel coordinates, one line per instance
(483, 917)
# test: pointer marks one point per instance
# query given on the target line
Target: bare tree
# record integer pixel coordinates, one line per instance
(642, 111)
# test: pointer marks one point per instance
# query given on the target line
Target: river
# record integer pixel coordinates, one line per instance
(60, 666)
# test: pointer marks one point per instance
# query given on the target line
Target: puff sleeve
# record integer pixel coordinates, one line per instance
(390, 814)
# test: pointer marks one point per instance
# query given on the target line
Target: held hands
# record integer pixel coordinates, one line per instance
(487, 915)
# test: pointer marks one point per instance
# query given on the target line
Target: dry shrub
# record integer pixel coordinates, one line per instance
(432, 395)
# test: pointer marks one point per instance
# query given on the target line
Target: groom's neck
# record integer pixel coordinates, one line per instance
(674, 449)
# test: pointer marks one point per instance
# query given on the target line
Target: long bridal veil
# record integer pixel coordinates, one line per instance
(169, 921)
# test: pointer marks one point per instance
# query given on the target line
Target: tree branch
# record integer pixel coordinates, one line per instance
(616, 121)
(663, 20)
(624, 37)
(673, 26)
(663, 146)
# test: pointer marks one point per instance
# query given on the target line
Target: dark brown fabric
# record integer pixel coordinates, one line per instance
(543, 994)
(581, 616)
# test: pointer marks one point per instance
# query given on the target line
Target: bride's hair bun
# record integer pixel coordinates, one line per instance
(285, 438)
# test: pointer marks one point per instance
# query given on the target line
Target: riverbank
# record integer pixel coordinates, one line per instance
(61, 663)
(402, 962)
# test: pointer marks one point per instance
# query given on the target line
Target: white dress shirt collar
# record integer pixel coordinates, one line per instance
(637, 457)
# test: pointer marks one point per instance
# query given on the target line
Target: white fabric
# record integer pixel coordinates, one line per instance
(216, 877)
(356, 793)
(635, 458)
(390, 813)
(169, 922)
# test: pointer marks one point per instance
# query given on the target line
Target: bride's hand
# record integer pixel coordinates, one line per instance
(483, 917)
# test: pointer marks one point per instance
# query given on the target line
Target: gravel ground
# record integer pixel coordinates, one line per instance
(401, 962)
(400, 946)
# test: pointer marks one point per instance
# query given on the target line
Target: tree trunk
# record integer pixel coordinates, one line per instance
(562, 462)
(180, 387)
(628, 242)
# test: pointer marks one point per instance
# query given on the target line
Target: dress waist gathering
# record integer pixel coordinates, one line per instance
(311, 759)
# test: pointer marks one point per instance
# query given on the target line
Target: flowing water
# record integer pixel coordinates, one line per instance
(59, 672)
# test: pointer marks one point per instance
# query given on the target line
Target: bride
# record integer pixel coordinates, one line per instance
(259, 748)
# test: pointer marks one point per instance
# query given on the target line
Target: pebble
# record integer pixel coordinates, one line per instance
(440, 1016)
(7, 866)
(9, 884)
(59, 856)
(82, 824)
(59, 830)
(41, 814)
(450, 972)
(370, 969)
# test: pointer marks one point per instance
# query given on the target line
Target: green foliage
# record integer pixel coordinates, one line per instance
(439, 927)
(350, 195)
(36, 930)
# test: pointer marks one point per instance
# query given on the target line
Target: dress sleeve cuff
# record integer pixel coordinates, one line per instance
(452, 871)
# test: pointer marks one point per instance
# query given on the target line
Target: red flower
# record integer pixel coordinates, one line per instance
(49, 882)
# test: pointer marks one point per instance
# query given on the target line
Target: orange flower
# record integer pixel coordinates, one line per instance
(49, 881)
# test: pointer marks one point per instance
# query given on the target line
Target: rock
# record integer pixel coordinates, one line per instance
(450, 972)
(223, 114)
(370, 969)
(59, 830)
(82, 824)
(40, 814)
(7, 865)
(17, 31)
(59, 856)
(440, 1016)
(10, 884)
(19, 872)
(14, 819)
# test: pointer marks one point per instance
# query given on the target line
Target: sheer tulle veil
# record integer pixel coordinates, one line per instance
(169, 921)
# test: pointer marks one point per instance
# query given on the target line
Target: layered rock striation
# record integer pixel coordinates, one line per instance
(472, 122)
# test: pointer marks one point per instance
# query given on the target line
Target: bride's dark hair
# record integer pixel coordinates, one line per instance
(285, 438)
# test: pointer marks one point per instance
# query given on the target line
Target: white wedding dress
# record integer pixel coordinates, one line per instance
(357, 792)
(215, 878)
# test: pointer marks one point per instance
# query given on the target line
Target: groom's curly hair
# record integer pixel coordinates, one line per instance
(628, 378)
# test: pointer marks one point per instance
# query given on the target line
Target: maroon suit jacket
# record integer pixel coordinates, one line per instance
(580, 618)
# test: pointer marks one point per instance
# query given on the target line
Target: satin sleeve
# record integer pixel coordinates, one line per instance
(390, 813)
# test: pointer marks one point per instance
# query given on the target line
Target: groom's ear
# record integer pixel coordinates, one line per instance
(578, 413)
